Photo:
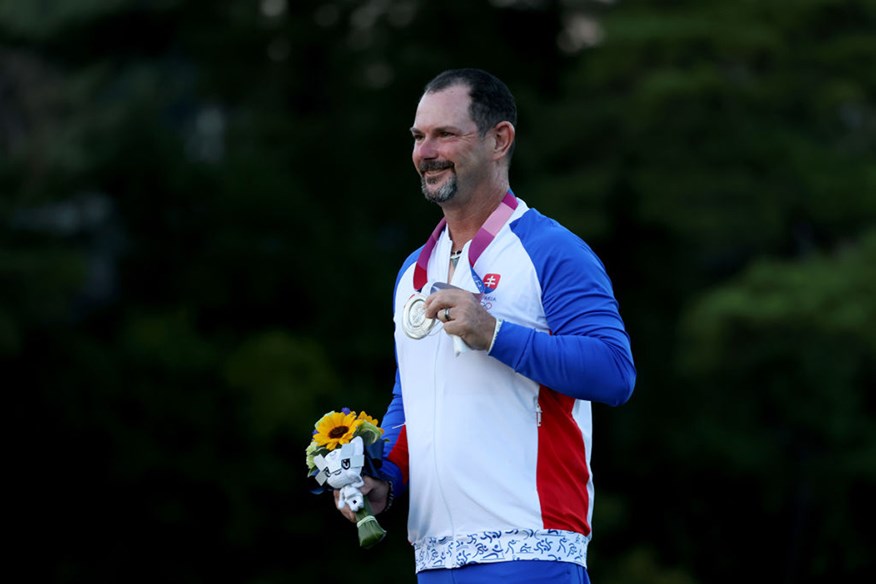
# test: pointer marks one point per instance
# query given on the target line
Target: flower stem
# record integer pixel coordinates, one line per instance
(370, 531)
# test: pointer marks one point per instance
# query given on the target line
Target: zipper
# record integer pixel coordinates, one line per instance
(537, 413)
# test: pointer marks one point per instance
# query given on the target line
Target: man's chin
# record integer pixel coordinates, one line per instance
(438, 195)
(438, 191)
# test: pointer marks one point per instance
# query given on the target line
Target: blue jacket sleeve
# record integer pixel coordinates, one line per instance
(394, 418)
(392, 424)
(587, 353)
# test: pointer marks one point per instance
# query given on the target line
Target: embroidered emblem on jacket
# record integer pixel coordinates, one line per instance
(491, 282)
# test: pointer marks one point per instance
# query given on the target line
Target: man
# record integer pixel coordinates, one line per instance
(506, 329)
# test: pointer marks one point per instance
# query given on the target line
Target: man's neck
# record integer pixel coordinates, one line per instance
(464, 221)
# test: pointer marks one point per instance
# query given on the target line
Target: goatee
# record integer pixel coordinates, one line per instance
(443, 193)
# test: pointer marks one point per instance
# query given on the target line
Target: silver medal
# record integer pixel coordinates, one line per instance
(414, 321)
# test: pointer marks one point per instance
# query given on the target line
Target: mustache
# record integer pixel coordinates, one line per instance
(433, 165)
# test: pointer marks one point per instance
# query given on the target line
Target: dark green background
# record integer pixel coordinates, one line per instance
(203, 206)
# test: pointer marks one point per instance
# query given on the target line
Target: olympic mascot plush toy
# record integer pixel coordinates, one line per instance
(342, 469)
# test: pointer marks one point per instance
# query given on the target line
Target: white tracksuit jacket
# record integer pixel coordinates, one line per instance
(494, 448)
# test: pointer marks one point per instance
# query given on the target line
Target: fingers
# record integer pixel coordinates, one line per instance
(377, 498)
(462, 315)
(345, 511)
(446, 305)
(378, 492)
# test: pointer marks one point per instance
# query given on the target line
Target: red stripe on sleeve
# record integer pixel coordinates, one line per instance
(399, 453)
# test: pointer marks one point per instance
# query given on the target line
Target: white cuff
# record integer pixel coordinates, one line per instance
(495, 334)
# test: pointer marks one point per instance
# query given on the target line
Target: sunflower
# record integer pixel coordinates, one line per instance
(366, 418)
(336, 428)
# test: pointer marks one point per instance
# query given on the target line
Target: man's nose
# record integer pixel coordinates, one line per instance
(425, 148)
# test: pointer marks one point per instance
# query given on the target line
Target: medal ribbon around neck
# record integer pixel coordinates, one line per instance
(481, 240)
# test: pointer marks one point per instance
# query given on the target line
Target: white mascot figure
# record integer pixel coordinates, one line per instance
(342, 469)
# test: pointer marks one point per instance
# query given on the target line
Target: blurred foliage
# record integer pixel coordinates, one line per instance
(204, 206)
(785, 370)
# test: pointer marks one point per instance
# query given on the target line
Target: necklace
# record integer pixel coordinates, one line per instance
(454, 257)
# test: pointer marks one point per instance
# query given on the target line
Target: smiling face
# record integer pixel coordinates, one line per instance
(449, 153)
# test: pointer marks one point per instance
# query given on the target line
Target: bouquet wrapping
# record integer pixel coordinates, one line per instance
(345, 447)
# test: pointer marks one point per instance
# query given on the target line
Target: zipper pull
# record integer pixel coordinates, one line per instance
(537, 413)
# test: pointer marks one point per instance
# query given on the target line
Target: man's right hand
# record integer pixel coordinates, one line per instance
(375, 490)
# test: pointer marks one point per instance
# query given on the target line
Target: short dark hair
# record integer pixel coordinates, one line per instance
(491, 100)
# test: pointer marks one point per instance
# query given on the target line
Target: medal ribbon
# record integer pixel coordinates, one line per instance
(481, 240)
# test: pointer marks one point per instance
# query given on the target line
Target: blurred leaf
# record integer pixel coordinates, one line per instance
(285, 379)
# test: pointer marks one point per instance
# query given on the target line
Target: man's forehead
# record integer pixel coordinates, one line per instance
(446, 108)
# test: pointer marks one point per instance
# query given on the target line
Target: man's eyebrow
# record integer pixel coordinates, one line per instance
(451, 129)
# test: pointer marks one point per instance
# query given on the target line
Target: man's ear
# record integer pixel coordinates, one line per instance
(503, 136)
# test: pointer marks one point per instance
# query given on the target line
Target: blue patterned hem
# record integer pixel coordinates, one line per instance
(501, 546)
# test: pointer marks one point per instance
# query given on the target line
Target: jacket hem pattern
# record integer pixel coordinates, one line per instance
(501, 546)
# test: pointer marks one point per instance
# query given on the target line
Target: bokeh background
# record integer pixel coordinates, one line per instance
(203, 205)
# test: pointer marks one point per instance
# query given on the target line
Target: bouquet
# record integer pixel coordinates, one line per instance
(345, 445)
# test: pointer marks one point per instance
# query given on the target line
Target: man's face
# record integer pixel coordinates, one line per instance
(448, 151)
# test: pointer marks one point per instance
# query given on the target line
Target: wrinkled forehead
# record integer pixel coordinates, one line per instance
(446, 108)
